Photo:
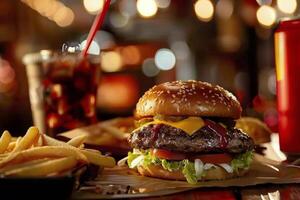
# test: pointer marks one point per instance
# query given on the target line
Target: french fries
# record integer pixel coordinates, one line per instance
(37, 154)
(43, 152)
(77, 141)
(11, 146)
(16, 166)
(44, 168)
(98, 159)
(93, 157)
(29, 139)
(4, 141)
(105, 133)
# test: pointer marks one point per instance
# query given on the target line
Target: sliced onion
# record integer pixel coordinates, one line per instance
(122, 162)
(136, 161)
(198, 167)
(227, 167)
(208, 166)
(136, 151)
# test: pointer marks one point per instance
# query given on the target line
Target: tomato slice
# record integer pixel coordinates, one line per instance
(214, 158)
(169, 155)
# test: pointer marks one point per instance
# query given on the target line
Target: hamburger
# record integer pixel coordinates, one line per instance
(186, 132)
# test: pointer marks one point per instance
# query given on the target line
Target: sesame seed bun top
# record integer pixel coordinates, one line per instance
(188, 98)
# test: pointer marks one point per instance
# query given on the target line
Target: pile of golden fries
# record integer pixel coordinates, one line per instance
(37, 154)
(113, 132)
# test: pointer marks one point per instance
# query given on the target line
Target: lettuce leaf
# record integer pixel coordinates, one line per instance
(185, 166)
(131, 157)
(171, 165)
(242, 161)
(189, 172)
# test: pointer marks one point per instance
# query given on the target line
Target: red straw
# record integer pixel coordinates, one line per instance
(96, 25)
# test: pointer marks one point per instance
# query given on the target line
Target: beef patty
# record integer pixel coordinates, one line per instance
(205, 140)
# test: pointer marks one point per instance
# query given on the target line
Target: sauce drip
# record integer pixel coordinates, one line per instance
(219, 130)
(155, 131)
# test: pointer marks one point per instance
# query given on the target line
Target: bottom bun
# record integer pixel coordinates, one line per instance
(217, 173)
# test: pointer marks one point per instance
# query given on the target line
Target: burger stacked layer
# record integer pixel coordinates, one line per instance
(186, 132)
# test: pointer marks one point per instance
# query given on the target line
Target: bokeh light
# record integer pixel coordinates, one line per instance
(204, 10)
(53, 10)
(111, 61)
(42, 6)
(266, 15)
(118, 20)
(181, 49)
(127, 7)
(131, 55)
(64, 17)
(117, 92)
(146, 8)
(93, 6)
(163, 3)
(165, 59)
(94, 48)
(224, 9)
(264, 2)
(149, 68)
(7, 73)
(287, 6)
(7, 76)
(104, 39)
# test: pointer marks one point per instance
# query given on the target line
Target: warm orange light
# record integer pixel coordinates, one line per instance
(64, 17)
(146, 8)
(287, 6)
(204, 10)
(131, 55)
(93, 6)
(266, 15)
(111, 61)
(118, 92)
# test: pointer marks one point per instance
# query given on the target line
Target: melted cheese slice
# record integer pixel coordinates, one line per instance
(189, 125)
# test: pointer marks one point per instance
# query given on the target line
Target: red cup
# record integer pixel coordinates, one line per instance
(287, 55)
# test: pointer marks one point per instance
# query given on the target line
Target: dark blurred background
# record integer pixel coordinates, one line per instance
(145, 42)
